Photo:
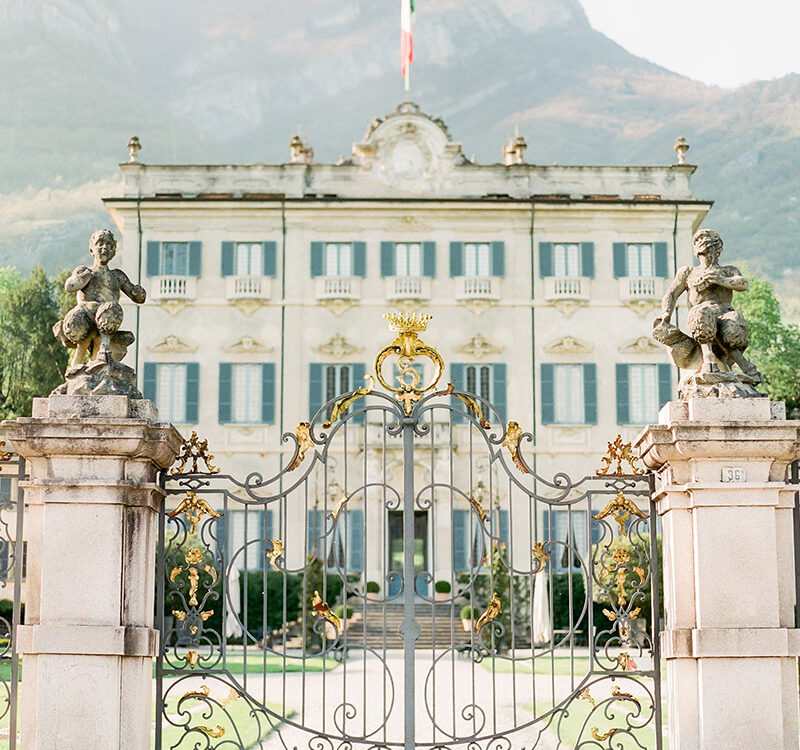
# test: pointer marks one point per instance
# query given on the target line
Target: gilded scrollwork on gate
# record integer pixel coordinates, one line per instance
(192, 452)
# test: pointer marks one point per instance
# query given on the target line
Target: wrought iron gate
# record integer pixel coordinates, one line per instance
(480, 605)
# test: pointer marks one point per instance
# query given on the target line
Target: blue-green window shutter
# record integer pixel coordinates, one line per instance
(499, 377)
(590, 393)
(270, 534)
(457, 377)
(429, 259)
(225, 391)
(355, 540)
(460, 540)
(662, 263)
(664, 384)
(587, 259)
(596, 528)
(620, 260)
(546, 521)
(317, 250)
(357, 371)
(316, 528)
(270, 263)
(192, 391)
(360, 259)
(498, 259)
(227, 258)
(153, 258)
(268, 393)
(502, 527)
(314, 388)
(623, 395)
(387, 259)
(548, 393)
(545, 259)
(149, 381)
(456, 259)
(195, 258)
(5, 489)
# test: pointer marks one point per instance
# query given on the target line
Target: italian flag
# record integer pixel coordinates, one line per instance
(406, 44)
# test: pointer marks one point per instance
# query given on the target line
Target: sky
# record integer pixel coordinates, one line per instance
(722, 42)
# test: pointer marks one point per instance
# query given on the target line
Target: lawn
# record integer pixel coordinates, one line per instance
(238, 724)
(235, 664)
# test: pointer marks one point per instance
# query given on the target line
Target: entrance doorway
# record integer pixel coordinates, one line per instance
(395, 561)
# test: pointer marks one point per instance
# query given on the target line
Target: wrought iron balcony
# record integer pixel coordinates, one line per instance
(248, 287)
(408, 287)
(338, 287)
(633, 288)
(477, 288)
(173, 287)
(566, 287)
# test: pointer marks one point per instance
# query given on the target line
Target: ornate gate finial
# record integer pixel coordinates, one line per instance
(408, 346)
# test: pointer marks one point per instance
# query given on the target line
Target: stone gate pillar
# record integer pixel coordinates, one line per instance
(729, 638)
(88, 643)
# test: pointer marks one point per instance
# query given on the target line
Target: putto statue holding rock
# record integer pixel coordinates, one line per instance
(717, 333)
(92, 327)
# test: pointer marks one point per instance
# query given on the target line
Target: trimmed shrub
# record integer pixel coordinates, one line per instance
(373, 587)
(339, 612)
(442, 587)
(470, 613)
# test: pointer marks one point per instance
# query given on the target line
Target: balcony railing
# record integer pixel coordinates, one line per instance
(640, 288)
(408, 287)
(174, 287)
(338, 287)
(248, 287)
(477, 288)
(566, 287)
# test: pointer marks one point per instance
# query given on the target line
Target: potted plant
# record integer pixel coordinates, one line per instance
(442, 589)
(373, 589)
(468, 615)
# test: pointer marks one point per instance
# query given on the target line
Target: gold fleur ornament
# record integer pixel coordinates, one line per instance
(619, 453)
(193, 508)
(621, 508)
(192, 452)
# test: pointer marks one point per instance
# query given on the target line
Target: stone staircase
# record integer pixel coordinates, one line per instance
(370, 628)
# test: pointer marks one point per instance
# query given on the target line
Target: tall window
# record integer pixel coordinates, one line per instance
(477, 259)
(338, 259)
(643, 390)
(641, 261)
(566, 530)
(248, 259)
(566, 259)
(171, 393)
(246, 394)
(569, 401)
(337, 380)
(479, 380)
(408, 259)
(175, 259)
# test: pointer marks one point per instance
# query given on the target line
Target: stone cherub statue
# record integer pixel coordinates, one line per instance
(718, 333)
(92, 326)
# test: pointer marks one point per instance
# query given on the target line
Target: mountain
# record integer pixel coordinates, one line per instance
(198, 80)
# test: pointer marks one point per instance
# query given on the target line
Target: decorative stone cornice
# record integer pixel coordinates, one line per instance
(338, 347)
(248, 345)
(479, 347)
(641, 345)
(567, 345)
(172, 344)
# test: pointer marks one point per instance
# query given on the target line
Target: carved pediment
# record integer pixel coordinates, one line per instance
(479, 347)
(172, 345)
(568, 345)
(338, 347)
(249, 345)
(642, 345)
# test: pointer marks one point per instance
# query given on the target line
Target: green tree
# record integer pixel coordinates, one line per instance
(32, 361)
(774, 343)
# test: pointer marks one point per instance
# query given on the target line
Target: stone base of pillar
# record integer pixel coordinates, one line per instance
(729, 639)
(91, 519)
